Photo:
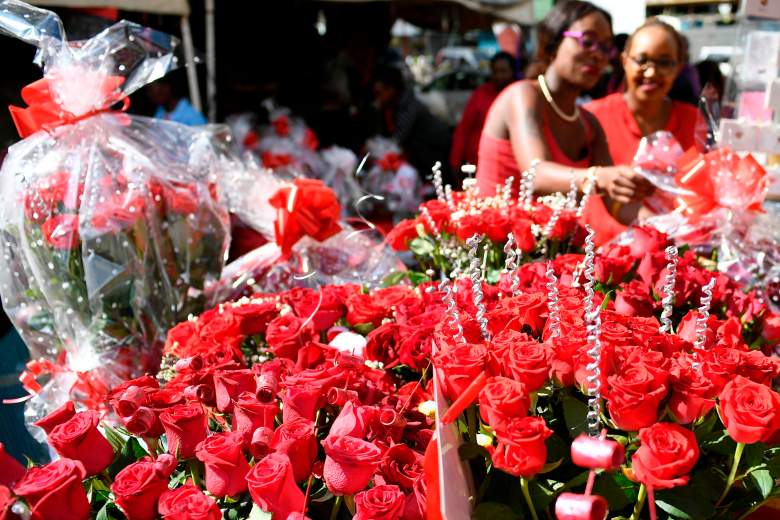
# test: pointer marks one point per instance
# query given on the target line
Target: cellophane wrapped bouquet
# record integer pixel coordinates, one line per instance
(111, 224)
(713, 202)
(392, 178)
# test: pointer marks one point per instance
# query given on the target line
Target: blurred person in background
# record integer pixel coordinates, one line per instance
(652, 59)
(465, 140)
(687, 86)
(167, 95)
(711, 78)
(423, 138)
(538, 122)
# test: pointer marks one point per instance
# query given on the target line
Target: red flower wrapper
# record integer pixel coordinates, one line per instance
(113, 224)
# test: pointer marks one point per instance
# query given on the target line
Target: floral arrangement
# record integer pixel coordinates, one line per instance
(270, 403)
(562, 378)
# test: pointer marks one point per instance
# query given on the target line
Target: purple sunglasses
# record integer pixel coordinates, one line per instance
(589, 43)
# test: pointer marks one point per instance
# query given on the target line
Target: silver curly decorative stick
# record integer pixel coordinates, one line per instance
(530, 181)
(593, 324)
(506, 192)
(515, 287)
(431, 223)
(571, 197)
(437, 181)
(550, 226)
(452, 309)
(475, 274)
(553, 313)
(510, 264)
(701, 321)
(669, 284)
(449, 198)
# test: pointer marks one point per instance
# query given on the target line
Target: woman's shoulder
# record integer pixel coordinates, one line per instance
(685, 110)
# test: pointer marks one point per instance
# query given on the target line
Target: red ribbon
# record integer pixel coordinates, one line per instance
(741, 179)
(307, 208)
(276, 160)
(43, 112)
(281, 126)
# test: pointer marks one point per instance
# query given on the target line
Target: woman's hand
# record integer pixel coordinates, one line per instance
(622, 184)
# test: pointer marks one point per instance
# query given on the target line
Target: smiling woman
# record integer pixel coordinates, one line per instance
(652, 59)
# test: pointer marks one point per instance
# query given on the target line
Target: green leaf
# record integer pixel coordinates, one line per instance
(718, 441)
(617, 489)
(764, 481)
(494, 511)
(363, 328)
(421, 247)
(550, 466)
(773, 465)
(575, 414)
(417, 278)
(681, 502)
(109, 512)
(258, 514)
(754, 454)
(394, 278)
(542, 493)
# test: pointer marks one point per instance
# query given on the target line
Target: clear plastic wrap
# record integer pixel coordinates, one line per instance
(112, 225)
(393, 178)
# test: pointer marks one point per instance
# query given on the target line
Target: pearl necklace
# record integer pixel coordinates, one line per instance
(548, 96)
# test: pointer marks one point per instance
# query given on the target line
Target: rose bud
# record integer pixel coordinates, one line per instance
(164, 464)
(597, 453)
(229, 384)
(185, 426)
(137, 488)
(129, 401)
(57, 417)
(267, 387)
(340, 396)
(200, 393)
(272, 486)
(250, 414)
(193, 363)
(79, 439)
(142, 422)
(350, 464)
(226, 466)
(296, 440)
(571, 506)
(261, 438)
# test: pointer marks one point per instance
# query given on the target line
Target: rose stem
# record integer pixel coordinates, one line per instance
(733, 473)
(640, 502)
(527, 495)
(195, 472)
(471, 419)
(334, 512)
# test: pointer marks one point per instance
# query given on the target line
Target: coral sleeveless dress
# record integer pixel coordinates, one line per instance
(497, 163)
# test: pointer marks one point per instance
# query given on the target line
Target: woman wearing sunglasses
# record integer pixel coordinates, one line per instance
(652, 59)
(537, 124)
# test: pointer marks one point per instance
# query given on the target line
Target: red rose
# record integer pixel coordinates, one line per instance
(758, 367)
(254, 316)
(635, 299)
(650, 269)
(119, 212)
(403, 233)
(613, 264)
(667, 453)
(187, 503)
(645, 240)
(250, 414)
(55, 491)
(458, 366)
(300, 401)
(693, 394)
(530, 309)
(57, 417)
(62, 231)
(286, 334)
(523, 234)
(502, 400)
(229, 384)
(529, 362)
(468, 225)
(382, 344)
(379, 503)
(12, 469)
(185, 426)
(138, 487)
(296, 440)
(770, 329)
(687, 328)
(353, 420)
(635, 392)
(401, 466)
(498, 225)
(720, 364)
(417, 501)
(349, 464)
(749, 411)
(226, 467)
(79, 439)
(615, 333)
(521, 450)
(322, 307)
(566, 350)
(272, 486)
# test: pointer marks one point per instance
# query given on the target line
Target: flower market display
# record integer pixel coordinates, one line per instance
(112, 225)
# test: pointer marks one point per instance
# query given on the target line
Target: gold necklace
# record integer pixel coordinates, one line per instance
(548, 96)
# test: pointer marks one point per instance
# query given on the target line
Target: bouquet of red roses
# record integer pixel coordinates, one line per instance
(113, 224)
(292, 403)
(566, 386)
